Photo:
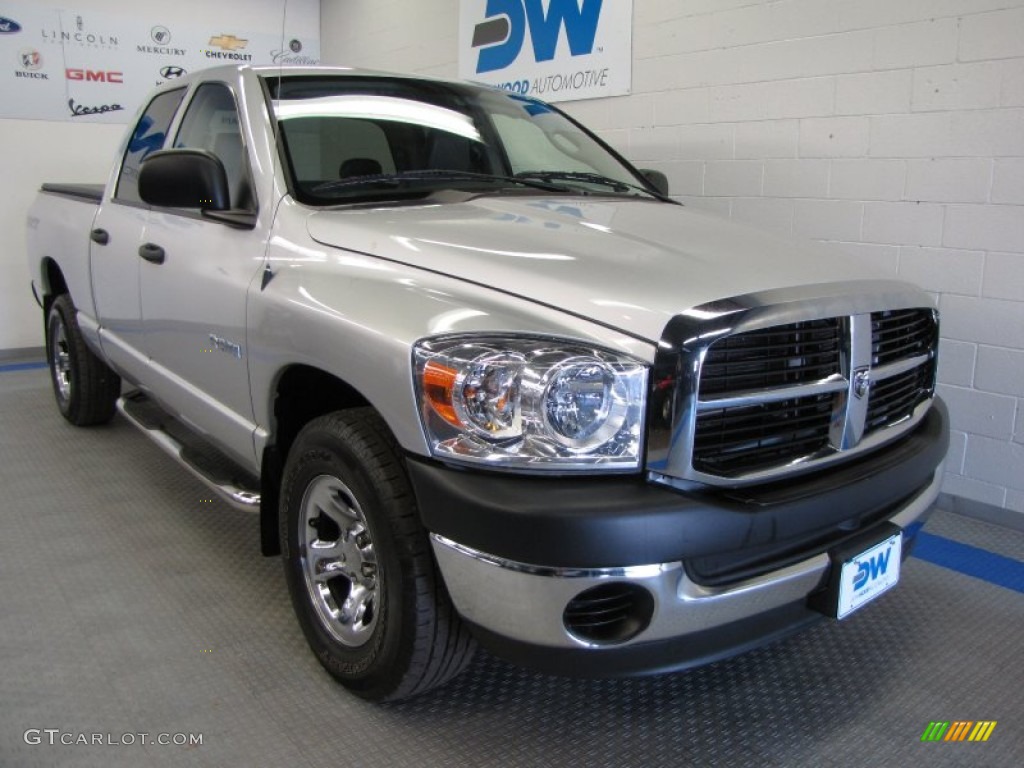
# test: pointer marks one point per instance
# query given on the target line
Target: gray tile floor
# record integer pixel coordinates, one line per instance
(131, 603)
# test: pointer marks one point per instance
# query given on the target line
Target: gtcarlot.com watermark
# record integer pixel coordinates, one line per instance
(54, 736)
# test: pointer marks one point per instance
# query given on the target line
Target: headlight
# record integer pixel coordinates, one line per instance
(536, 404)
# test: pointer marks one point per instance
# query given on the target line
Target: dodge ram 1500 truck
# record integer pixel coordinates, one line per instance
(484, 381)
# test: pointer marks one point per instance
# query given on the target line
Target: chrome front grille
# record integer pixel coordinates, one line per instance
(899, 335)
(755, 399)
(798, 353)
(732, 440)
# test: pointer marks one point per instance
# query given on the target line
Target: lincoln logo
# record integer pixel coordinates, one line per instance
(862, 383)
(228, 43)
(95, 76)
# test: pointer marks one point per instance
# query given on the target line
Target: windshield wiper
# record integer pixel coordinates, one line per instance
(396, 180)
(588, 178)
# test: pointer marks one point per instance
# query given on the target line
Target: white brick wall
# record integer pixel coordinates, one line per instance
(892, 130)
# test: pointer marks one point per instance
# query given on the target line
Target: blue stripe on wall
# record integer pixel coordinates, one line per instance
(972, 561)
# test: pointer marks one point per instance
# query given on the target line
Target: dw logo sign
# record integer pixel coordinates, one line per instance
(552, 49)
(503, 32)
(872, 568)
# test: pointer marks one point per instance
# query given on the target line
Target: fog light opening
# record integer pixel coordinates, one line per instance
(609, 614)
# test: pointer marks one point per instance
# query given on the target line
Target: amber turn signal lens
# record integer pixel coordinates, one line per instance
(439, 388)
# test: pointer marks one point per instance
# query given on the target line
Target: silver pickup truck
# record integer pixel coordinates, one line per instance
(484, 381)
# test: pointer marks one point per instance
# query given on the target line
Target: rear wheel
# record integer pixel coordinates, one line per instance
(360, 571)
(86, 388)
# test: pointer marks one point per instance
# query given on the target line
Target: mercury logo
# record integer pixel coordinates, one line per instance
(160, 35)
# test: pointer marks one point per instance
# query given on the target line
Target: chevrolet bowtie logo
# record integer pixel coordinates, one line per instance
(229, 43)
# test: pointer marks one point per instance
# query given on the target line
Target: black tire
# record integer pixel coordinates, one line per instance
(384, 625)
(86, 389)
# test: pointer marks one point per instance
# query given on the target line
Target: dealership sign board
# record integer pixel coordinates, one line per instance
(86, 66)
(556, 50)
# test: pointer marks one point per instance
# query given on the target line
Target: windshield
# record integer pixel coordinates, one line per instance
(351, 138)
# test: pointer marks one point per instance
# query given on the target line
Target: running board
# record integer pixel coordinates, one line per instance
(220, 474)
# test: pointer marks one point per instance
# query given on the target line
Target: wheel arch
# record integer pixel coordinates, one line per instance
(300, 393)
(53, 282)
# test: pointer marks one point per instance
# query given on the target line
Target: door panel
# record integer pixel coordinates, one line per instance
(194, 299)
(194, 317)
(114, 264)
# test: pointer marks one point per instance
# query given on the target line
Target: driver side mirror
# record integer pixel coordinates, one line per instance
(184, 178)
(656, 179)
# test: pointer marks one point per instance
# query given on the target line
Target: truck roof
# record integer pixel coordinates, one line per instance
(231, 71)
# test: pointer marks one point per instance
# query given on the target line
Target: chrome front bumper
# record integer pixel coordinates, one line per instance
(525, 603)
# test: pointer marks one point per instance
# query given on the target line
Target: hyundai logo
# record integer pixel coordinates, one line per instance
(9, 26)
(171, 72)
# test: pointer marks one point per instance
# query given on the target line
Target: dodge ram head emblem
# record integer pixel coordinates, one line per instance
(861, 382)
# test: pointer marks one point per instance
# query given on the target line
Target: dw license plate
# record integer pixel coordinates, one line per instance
(869, 574)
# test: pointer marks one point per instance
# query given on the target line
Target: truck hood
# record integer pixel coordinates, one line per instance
(629, 264)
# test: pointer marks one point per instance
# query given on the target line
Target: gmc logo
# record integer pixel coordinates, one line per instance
(94, 76)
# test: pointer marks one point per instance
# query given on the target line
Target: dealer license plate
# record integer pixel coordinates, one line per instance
(868, 575)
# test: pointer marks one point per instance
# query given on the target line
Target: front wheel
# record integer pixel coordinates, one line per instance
(86, 389)
(360, 571)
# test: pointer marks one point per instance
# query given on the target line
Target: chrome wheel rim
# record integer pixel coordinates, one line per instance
(338, 561)
(60, 359)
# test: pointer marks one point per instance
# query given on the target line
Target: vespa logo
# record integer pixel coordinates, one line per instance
(95, 76)
(501, 36)
(171, 72)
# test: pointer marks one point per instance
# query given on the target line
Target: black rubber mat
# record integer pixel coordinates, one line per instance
(133, 603)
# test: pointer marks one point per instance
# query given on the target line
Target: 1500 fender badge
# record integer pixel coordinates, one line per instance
(79, 110)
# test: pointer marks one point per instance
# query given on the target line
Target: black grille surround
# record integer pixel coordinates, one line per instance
(752, 401)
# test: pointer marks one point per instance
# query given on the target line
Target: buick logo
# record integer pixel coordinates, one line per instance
(171, 72)
(862, 383)
(160, 35)
(31, 59)
(9, 26)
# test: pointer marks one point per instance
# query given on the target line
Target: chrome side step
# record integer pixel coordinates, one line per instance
(221, 475)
